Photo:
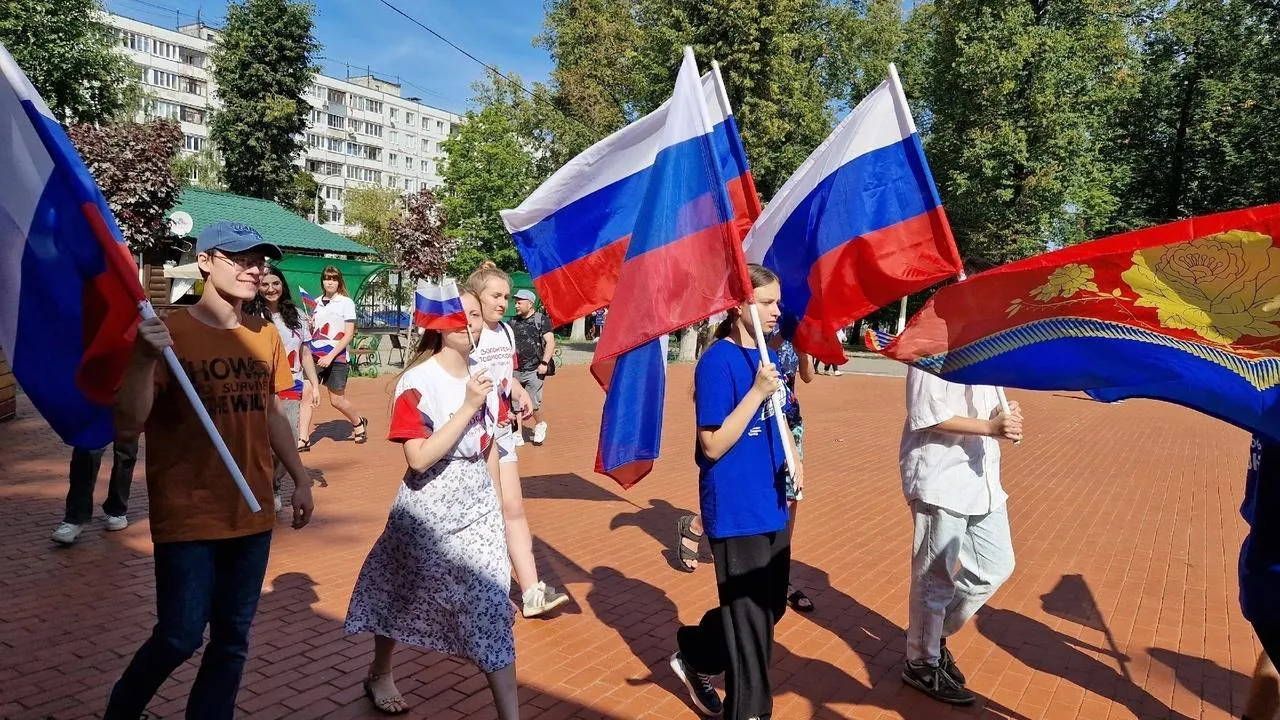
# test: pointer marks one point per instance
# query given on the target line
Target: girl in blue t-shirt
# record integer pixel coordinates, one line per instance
(742, 488)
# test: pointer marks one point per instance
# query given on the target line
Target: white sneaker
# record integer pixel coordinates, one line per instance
(66, 534)
(519, 439)
(115, 523)
(279, 503)
(539, 433)
(540, 599)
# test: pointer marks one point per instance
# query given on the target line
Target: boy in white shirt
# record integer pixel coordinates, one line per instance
(950, 463)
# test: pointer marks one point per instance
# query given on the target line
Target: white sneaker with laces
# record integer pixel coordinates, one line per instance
(520, 439)
(66, 534)
(115, 523)
(542, 598)
(539, 433)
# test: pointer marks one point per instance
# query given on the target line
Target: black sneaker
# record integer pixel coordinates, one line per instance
(704, 696)
(948, 664)
(936, 683)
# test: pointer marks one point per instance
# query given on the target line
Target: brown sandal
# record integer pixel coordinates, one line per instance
(360, 431)
(389, 705)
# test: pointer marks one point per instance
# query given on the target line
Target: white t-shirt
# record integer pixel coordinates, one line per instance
(293, 340)
(426, 398)
(328, 325)
(497, 355)
(960, 473)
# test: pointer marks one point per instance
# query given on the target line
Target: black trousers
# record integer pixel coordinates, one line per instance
(84, 476)
(737, 638)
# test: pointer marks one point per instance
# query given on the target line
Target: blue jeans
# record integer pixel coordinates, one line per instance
(204, 582)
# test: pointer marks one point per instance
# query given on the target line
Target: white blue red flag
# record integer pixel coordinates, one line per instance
(858, 226)
(573, 231)
(69, 288)
(683, 262)
(438, 306)
(308, 302)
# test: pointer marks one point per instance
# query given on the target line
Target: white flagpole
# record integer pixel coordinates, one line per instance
(184, 382)
(902, 316)
(783, 429)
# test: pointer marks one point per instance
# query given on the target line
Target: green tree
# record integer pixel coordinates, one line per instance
(299, 195)
(773, 57)
(69, 54)
(1200, 134)
(1024, 100)
(373, 208)
(201, 169)
(132, 164)
(263, 65)
(490, 167)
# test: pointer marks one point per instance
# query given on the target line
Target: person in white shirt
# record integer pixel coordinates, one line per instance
(333, 327)
(962, 553)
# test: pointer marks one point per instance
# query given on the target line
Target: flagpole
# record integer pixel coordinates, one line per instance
(783, 429)
(179, 374)
(902, 316)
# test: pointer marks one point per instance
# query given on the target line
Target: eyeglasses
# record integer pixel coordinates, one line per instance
(244, 262)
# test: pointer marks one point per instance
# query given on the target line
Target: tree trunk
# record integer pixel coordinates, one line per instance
(689, 344)
(579, 332)
(1178, 159)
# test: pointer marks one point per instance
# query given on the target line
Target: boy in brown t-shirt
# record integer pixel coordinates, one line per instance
(210, 549)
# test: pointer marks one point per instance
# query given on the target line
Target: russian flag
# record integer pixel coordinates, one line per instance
(683, 263)
(438, 307)
(69, 288)
(858, 226)
(572, 232)
(307, 301)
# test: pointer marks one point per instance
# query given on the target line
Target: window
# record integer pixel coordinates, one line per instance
(441, 126)
(166, 50)
(193, 116)
(353, 125)
(395, 113)
(394, 137)
(192, 59)
(424, 165)
(369, 128)
(337, 122)
(353, 172)
(408, 117)
(424, 122)
(373, 153)
(408, 184)
(426, 146)
(318, 92)
(353, 148)
(334, 214)
(408, 164)
(193, 86)
(337, 97)
(321, 167)
(316, 116)
(334, 145)
(391, 181)
(167, 110)
(392, 158)
(410, 142)
(193, 143)
(160, 78)
(314, 141)
(332, 193)
(134, 41)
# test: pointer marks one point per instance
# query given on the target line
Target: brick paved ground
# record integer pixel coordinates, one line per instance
(1123, 604)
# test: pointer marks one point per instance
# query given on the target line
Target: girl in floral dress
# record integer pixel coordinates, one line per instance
(439, 576)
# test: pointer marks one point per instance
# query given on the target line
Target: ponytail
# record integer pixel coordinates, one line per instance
(487, 271)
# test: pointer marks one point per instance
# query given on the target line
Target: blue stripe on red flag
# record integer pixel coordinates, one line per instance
(631, 424)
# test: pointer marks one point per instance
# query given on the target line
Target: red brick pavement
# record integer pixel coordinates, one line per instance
(1133, 505)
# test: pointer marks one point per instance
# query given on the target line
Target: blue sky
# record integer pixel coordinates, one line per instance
(366, 33)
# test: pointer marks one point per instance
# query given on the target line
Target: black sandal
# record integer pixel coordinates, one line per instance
(685, 526)
(304, 445)
(361, 431)
(800, 602)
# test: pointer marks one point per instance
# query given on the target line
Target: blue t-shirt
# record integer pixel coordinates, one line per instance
(1260, 555)
(744, 492)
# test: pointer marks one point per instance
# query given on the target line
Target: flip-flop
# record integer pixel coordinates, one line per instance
(800, 602)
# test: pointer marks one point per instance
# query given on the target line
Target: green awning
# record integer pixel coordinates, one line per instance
(304, 271)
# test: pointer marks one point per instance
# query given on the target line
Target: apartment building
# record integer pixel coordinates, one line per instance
(361, 131)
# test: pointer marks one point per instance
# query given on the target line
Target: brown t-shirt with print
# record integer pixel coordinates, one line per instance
(237, 374)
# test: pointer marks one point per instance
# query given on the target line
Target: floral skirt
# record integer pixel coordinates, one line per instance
(439, 576)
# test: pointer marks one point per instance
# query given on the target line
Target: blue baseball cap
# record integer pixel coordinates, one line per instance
(234, 237)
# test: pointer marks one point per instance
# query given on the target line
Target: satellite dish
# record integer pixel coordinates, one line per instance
(180, 223)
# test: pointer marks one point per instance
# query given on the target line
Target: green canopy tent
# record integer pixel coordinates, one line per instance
(304, 272)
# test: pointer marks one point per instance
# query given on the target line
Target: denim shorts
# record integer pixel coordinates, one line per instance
(334, 377)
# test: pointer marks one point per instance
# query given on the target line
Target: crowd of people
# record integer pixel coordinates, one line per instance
(439, 576)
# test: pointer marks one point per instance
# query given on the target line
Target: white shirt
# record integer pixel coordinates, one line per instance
(293, 341)
(497, 355)
(328, 325)
(960, 473)
(426, 398)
